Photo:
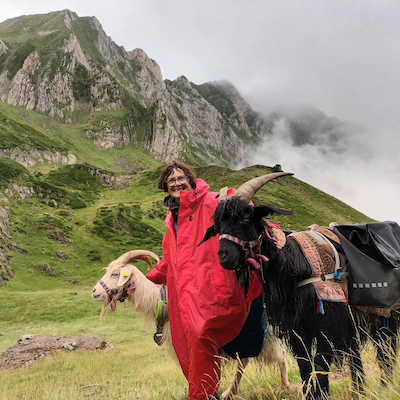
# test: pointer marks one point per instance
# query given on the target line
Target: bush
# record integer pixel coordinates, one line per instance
(123, 226)
(10, 169)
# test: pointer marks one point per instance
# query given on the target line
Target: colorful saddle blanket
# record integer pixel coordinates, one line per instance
(321, 257)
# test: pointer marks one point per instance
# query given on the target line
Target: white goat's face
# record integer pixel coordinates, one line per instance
(116, 276)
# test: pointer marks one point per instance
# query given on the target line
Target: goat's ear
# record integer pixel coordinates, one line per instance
(263, 211)
(210, 232)
(124, 276)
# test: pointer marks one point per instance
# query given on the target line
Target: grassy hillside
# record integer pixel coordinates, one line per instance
(92, 224)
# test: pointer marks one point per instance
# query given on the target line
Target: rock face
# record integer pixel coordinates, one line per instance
(21, 91)
(29, 156)
(6, 273)
(85, 69)
(3, 47)
(148, 75)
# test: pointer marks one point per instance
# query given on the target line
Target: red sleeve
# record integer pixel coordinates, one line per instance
(159, 273)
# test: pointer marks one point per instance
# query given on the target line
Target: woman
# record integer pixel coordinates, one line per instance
(206, 304)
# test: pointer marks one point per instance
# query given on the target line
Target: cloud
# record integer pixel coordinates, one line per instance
(354, 173)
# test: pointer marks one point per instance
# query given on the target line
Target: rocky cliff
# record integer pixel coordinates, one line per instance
(6, 273)
(66, 64)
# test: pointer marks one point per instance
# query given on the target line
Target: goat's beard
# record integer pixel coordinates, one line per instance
(107, 301)
(105, 307)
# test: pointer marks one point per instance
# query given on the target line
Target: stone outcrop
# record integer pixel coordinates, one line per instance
(19, 192)
(29, 156)
(106, 46)
(3, 47)
(115, 182)
(6, 273)
(22, 92)
(109, 137)
(148, 76)
(188, 122)
(73, 47)
(164, 143)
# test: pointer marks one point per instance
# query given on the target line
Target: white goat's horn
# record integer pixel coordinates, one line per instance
(249, 188)
(138, 255)
(223, 193)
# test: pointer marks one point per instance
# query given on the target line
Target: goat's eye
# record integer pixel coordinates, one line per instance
(245, 220)
(114, 275)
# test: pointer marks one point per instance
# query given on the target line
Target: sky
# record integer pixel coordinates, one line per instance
(341, 57)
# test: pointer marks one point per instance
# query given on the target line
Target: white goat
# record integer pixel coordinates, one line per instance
(124, 281)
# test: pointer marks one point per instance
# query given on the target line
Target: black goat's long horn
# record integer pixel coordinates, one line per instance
(249, 188)
(138, 255)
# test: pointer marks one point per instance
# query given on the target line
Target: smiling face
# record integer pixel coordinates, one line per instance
(176, 182)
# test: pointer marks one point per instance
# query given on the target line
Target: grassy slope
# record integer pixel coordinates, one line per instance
(50, 295)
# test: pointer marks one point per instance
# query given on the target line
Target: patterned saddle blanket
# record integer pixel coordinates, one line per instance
(321, 257)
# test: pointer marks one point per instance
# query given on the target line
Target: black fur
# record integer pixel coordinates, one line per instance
(317, 340)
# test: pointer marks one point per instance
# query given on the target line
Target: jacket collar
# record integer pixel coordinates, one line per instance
(188, 198)
(171, 203)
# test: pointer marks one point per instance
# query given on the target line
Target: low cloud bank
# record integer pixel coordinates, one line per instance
(357, 166)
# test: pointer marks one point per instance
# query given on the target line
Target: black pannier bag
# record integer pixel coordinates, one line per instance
(373, 252)
(251, 338)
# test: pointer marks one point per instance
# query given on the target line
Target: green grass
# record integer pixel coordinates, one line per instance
(120, 371)
(16, 131)
(136, 368)
(10, 170)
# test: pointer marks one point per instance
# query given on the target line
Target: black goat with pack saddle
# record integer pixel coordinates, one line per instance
(310, 311)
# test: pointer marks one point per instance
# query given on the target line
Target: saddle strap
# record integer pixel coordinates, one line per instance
(322, 278)
(326, 232)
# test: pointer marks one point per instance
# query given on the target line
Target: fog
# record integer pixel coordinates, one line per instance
(341, 57)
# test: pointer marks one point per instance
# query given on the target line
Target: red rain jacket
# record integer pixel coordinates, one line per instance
(206, 304)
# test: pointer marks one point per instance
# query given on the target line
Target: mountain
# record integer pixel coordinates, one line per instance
(85, 127)
(61, 65)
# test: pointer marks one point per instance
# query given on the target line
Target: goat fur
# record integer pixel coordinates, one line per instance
(144, 298)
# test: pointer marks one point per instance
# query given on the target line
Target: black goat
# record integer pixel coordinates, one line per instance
(316, 339)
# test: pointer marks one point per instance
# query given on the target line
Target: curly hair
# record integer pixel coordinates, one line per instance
(169, 169)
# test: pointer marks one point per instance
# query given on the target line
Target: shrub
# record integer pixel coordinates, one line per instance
(10, 169)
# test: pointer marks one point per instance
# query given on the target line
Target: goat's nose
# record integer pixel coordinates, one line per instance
(94, 289)
(226, 259)
(222, 254)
